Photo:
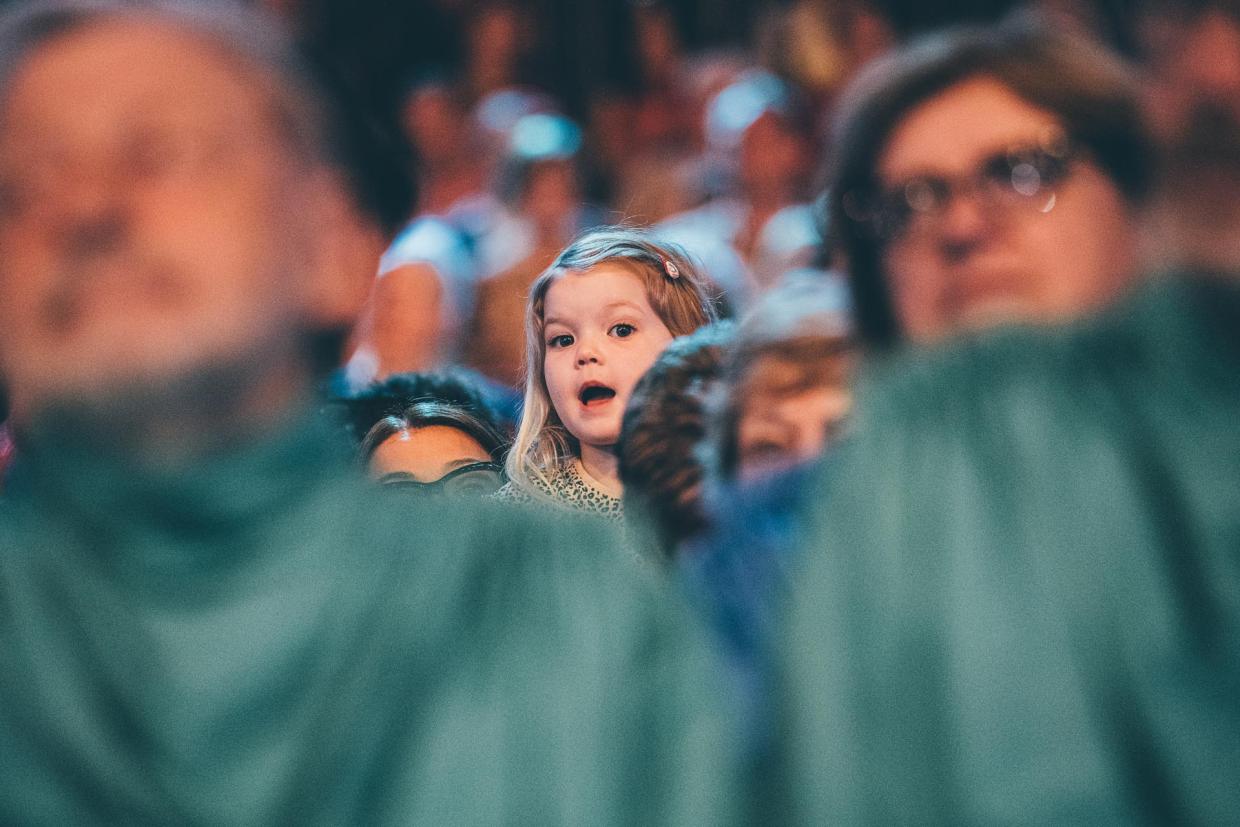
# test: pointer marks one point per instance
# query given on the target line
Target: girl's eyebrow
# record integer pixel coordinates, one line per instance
(622, 303)
(611, 305)
(550, 320)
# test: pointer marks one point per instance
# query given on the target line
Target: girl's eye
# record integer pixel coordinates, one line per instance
(622, 330)
(563, 340)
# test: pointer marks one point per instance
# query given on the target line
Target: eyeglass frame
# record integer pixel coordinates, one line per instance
(439, 487)
(864, 208)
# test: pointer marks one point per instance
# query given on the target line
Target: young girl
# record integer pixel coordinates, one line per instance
(596, 320)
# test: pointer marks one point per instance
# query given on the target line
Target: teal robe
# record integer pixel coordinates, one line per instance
(267, 640)
(1021, 602)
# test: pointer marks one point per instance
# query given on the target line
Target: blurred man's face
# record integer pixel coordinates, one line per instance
(151, 220)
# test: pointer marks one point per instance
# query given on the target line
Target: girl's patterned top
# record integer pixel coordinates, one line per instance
(568, 490)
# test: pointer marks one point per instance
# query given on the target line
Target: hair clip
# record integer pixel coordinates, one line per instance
(669, 267)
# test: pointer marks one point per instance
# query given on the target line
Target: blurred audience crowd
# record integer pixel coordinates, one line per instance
(648, 411)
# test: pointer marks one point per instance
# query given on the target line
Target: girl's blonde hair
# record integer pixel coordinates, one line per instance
(677, 292)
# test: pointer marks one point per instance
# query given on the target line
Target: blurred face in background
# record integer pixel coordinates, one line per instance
(1191, 63)
(1192, 66)
(992, 215)
(773, 158)
(551, 200)
(792, 411)
(145, 193)
(437, 125)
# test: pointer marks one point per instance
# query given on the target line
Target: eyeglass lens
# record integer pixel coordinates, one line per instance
(1019, 176)
(476, 479)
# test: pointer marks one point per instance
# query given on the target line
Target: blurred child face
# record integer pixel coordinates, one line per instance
(789, 418)
(600, 335)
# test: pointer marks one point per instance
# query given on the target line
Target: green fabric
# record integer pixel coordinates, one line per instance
(266, 640)
(1021, 603)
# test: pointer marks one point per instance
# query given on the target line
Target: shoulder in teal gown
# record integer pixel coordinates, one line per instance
(1021, 602)
(262, 639)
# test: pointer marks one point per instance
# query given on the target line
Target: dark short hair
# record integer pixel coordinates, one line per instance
(458, 387)
(433, 412)
(661, 434)
(1090, 91)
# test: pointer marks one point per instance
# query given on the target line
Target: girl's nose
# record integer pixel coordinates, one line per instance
(586, 354)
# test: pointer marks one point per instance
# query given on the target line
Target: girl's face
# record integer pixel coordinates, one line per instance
(600, 335)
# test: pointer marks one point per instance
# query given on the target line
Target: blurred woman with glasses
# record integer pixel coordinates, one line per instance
(983, 176)
(436, 448)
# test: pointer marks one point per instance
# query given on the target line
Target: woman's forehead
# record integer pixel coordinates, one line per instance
(960, 125)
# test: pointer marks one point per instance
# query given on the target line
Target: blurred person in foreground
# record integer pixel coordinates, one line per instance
(207, 620)
(987, 176)
(1021, 597)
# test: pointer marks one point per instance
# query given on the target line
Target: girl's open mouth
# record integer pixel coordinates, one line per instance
(595, 394)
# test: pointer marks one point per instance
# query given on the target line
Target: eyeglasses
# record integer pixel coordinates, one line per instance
(1023, 177)
(474, 480)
